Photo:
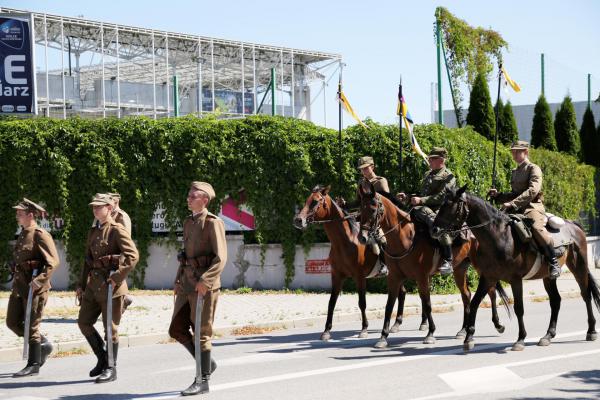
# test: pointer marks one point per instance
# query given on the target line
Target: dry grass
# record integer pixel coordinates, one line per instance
(254, 330)
(167, 341)
(68, 353)
(61, 312)
(539, 299)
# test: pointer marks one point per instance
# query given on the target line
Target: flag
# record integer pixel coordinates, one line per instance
(402, 111)
(509, 81)
(344, 101)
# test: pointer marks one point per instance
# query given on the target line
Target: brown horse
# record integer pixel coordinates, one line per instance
(349, 259)
(501, 257)
(410, 255)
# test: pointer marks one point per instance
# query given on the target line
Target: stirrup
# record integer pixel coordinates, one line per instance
(446, 268)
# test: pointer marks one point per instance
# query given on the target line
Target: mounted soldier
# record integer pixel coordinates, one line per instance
(434, 186)
(526, 198)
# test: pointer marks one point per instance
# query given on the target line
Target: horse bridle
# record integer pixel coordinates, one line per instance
(310, 215)
(373, 230)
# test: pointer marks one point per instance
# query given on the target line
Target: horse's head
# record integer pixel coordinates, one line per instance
(371, 211)
(315, 207)
(452, 214)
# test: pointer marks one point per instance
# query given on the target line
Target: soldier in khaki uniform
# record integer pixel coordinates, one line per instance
(366, 166)
(121, 217)
(34, 250)
(434, 186)
(526, 198)
(109, 248)
(201, 263)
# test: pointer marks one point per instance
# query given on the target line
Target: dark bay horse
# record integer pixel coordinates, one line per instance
(349, 259)
(500, 257)
(411, 255)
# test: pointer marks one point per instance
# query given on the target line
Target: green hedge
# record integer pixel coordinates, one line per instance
(277, 160)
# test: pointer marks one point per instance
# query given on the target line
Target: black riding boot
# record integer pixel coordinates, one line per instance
(201, 386)
(189, 346)
(33, 361)
(110, 372)
(446, 253)
(46, 350)
(97, 345)
(553, 266)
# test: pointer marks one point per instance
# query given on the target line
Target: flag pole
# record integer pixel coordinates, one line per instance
(340, 127)
(497, 122)
(400, 127)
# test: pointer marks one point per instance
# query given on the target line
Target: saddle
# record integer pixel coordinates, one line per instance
(521, 229)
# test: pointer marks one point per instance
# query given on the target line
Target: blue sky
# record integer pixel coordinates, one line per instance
(382, 39)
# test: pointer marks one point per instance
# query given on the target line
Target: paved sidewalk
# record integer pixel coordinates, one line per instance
(148, 318)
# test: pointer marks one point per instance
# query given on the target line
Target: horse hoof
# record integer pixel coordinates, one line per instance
(423, 327)
(395, 328)
(363, 334)
(500, 328)
(462, 334)
(590, 337)
(325, 336)
(544, 342)
(468, 346)
(429, 340)
(381, 344)
(519, 346)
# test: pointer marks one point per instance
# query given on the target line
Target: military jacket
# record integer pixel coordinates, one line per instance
(434, 186)
(108, 239)
(205, 250)
(34, 246)
(526, 188)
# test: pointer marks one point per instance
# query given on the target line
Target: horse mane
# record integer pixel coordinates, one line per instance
(354, 225)
(492, 211)
(401, 213)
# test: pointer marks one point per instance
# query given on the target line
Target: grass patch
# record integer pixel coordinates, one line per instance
(138, 308)
(254, 330)
(68, 353)
(61, 312)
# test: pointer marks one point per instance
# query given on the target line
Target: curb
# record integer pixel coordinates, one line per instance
(15, 353)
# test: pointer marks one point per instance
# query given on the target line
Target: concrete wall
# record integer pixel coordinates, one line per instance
(244, 266)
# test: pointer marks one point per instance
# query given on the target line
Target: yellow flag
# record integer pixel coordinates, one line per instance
(509, 80)
(342, 99)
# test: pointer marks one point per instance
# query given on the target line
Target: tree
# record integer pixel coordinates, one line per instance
(481, 113)
(565, 128)
(542, 131)
(499, 107)
(588, 137)
(510, 131)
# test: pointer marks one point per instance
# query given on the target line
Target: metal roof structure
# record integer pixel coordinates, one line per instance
(163, 73)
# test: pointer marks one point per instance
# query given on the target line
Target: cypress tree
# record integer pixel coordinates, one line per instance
(481, 113)
(510, 133)
(565, 128)
(542, 131)
(587, 135)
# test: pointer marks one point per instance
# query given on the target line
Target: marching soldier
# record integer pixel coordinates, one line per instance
(110, 256)
(121, 217)
(201, 263)
(526, 197)
(35, 259)
(366, 166)
(434, 186)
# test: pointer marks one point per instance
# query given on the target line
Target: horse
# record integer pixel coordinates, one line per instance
(411, 254)
(501, 257)
(349, 259)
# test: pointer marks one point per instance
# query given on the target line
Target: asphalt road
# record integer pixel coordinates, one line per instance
(294, 364)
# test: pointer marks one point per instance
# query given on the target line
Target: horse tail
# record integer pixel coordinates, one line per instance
(593, 290)
(500, 290)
